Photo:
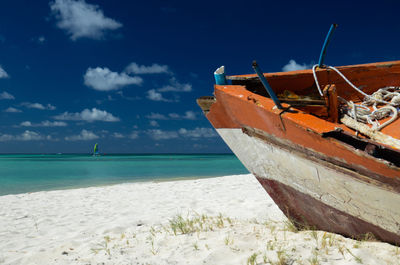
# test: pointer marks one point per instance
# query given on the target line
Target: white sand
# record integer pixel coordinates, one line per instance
(130, 224)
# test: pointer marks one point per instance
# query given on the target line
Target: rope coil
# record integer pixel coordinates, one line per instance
(389, 96)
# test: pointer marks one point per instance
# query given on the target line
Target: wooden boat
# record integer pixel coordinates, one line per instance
(322, 167)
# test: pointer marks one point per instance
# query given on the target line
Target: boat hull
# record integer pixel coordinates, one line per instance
(314, 192)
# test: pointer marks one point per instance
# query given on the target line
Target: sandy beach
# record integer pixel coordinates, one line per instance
(224, 220)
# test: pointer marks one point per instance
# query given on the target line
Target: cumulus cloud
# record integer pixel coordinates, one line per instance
(38, 106)
(3, 73)
(154, 123)
(156, 116)
(134, 135)
(134, 68)
(82, 20)
(12, 110)
(189, 115)
(6, 137)
(25, 136)
(175, 86)
(158, 134)
(104, 80)
(152, 94)
(293, 66)
(26, 124)
(118, 135)
(29, 136)
(198, 133)
(44, 124)
(6, 95)
(88, 115)
(85, 135)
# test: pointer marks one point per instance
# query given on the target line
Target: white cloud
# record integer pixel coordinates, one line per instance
(38, 106)
(157, 134)
(198, 133)
(25, 136)
(85, 135)
(156, 116)
(175, 86)
(134, 135)
(293, 66)
(118, 135)
(3, 73)
(12, 110)
(53, 124)
(88, 115)
(152, 94)
(189, 115)
(26, 124)
(104, 80)
(44, 124)
(6, 95)
(41, 39)
(152, 69)
(6, 137)
(29, 136)
(82, 20)
(154, 123)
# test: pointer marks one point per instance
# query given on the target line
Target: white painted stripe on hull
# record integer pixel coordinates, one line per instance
(359, 199)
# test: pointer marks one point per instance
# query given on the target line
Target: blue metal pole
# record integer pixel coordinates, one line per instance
(266, 85)
(325, 46)
(220, 77)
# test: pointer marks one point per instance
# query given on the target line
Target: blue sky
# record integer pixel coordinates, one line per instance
(126, 74)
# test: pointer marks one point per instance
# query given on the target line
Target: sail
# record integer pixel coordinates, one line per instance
(96, 149)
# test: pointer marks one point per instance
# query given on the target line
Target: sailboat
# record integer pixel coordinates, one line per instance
(96, 150)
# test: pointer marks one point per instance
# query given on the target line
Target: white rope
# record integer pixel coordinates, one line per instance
(316, 79)
(361, 112)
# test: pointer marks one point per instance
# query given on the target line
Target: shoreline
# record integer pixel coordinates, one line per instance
(106, 184)
(221, 220)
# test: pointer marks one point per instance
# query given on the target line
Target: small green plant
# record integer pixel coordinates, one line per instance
(282, 257)
(195, 246)
(369, 237)
(152, 231)
(270, 245)
(314, 260)
(252, 259)
(104, 246)
(358, 259)
(178, 224)
(271, 226)
(153, 249)
(314, 234)
(228, 240)
(220, 221)
(341, 250)
(289, 226)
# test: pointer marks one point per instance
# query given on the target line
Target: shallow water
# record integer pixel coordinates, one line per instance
(29, 173)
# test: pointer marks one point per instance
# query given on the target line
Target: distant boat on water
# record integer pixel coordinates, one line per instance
(96, 150)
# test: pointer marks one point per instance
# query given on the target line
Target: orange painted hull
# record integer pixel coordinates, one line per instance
(247, 120)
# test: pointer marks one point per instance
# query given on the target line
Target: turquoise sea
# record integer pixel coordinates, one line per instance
(29, 173)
